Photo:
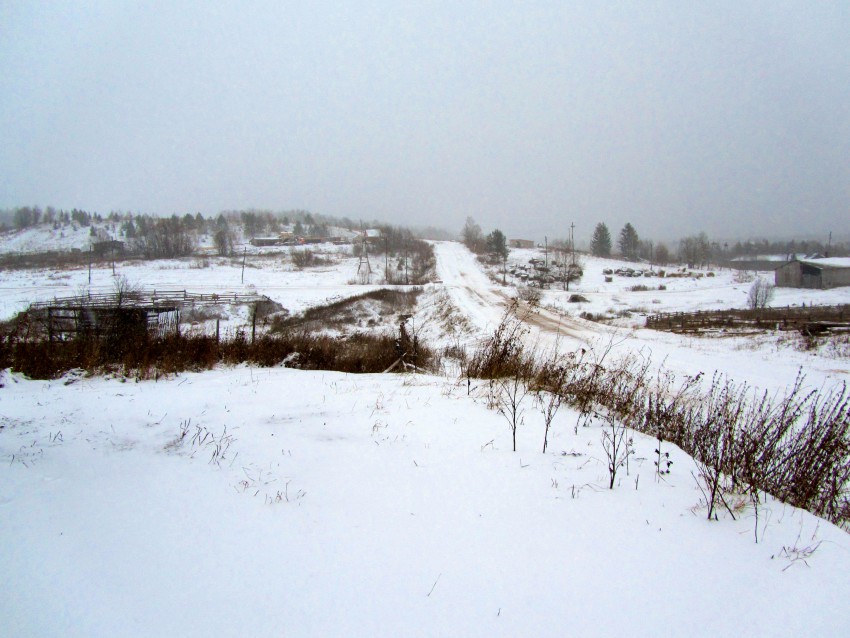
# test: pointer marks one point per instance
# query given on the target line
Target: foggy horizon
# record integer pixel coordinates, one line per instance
(731, 119)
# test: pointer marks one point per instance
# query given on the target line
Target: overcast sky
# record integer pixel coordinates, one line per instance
(727, 117)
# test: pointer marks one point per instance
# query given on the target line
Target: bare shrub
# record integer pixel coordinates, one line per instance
(529, 294)
(550, 387)
(303, 258)
(743, 276)
(760, 294)
(715, 437)
(508, 365)
(817, 469)
(745, 443)
(507, 393)
(503, 354)
(617, 447)
(125, 290)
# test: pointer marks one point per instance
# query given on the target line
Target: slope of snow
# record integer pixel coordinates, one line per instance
(44, 238)
(370, 505)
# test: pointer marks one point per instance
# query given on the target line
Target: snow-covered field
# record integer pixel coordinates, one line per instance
(721, 289)
(371, 505)
(271, 275)
(316, 503)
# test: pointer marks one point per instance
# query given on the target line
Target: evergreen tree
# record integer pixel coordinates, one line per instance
(497, 244)
(629, 242)
(600, 243)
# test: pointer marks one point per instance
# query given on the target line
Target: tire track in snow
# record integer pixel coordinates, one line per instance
(474, 294)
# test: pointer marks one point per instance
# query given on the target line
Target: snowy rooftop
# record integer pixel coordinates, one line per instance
(829, 262)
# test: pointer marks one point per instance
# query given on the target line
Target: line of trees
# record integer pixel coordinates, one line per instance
(699, 251)
(27, 216)
(629, 243)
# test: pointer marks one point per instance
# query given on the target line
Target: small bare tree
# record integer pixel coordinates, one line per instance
(223, 240)
(616, 445)
(507, 395)
(761, 294)
(125, 290)
(550, 390)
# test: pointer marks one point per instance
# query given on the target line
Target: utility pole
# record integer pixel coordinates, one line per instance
(572, 243)
(91, 248)
(244, 254)
(387, 258)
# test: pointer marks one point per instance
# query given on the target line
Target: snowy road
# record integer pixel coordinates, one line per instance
(484, 302)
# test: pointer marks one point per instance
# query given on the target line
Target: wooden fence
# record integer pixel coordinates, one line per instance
(119, 314)
(151, 299)
(807, 319)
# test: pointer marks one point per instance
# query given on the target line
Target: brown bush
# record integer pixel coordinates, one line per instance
(151, 356)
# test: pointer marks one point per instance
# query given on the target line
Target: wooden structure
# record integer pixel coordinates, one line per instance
(123, 322)
(364, 268)
(124, 315)
(814, 273)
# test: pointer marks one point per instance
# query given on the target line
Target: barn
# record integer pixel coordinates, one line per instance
(814, 273)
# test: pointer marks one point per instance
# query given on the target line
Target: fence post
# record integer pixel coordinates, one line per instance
(254, 324)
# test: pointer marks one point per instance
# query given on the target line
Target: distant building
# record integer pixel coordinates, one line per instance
(372, 236)
(814, 273)
(757, 262)
(521, 243)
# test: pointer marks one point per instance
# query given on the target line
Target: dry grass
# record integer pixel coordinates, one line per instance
(745, 442)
